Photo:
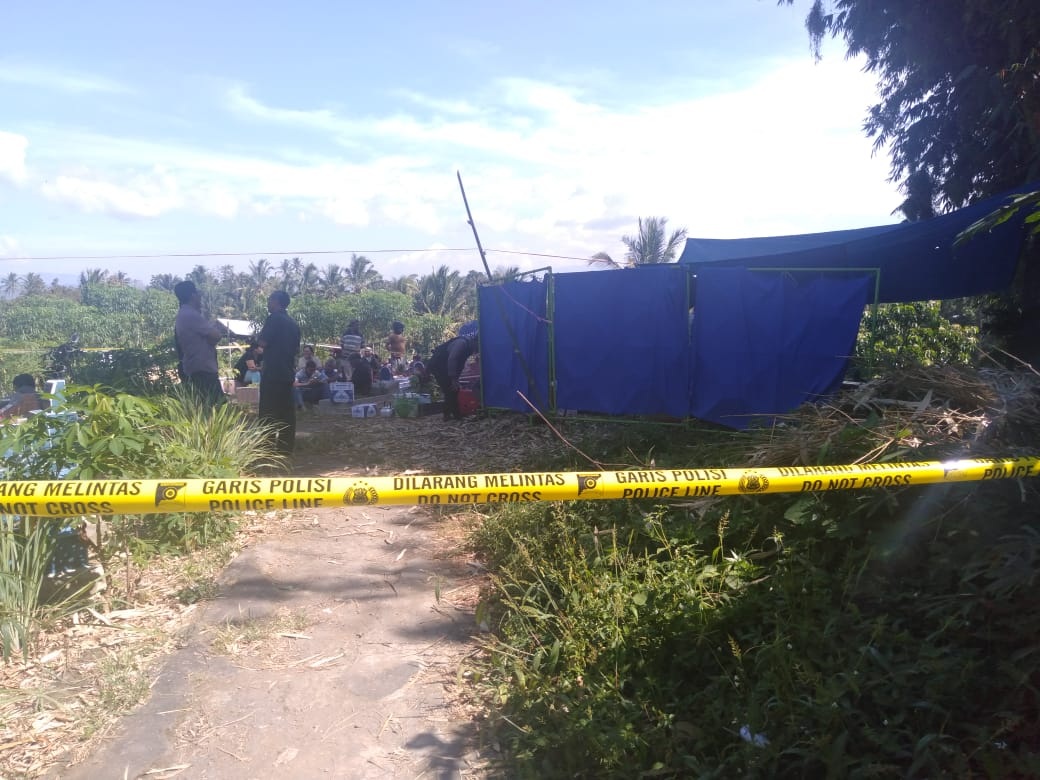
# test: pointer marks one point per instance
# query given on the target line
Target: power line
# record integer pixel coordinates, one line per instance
(295, 253)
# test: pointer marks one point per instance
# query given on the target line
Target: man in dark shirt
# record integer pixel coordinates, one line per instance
(446, 364)
(197, 339)
(280, 339)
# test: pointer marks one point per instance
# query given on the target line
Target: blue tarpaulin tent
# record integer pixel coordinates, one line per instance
(737, 330)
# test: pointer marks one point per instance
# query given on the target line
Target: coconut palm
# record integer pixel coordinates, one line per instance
(360, 275)
(92, 276)
(333, 281)
(11, 284)
(164, 282)
(409, 284)
(310, 280)
(33, 284)
(648, 247)
(441, 292)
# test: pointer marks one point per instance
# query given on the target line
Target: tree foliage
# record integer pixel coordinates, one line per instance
(651, 245)
(959, 91)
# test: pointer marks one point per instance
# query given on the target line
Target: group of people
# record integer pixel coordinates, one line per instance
(286, 384)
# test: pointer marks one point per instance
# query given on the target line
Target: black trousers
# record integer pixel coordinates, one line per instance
(451, 397)
(206, 385)
(277, 407)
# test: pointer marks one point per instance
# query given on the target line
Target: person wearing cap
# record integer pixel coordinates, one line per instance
(196, 338)
(25, 399)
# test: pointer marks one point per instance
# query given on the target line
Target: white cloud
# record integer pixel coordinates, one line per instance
(141, 195)
(45, 77)
(12, 156)
(547, 168)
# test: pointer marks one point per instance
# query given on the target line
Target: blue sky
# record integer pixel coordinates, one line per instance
(275, 129)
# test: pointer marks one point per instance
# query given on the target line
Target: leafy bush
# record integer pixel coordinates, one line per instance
(908, 334)
(101, 435)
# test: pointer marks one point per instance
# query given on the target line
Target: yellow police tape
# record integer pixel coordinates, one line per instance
(64, 498)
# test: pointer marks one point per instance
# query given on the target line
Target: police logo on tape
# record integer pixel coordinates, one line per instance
(360, 494)
(167, 491)
(753, 482)
(587, 482)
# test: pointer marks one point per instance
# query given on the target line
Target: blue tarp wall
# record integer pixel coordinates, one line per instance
(761, 342)
(772, 325)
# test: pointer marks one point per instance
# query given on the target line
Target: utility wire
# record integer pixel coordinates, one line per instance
(159, 256)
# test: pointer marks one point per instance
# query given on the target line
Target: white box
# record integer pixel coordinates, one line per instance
(363, 410)
(341, 392)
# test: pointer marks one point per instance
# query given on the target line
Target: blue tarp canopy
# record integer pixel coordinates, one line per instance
(738, 331)
(917, 260)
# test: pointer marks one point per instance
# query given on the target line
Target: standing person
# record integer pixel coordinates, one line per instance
(280, 339)
(351, 342)
(395, 343)
(446, 364)
(196, 339)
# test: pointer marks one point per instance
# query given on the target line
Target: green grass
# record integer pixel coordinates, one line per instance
(876, 634)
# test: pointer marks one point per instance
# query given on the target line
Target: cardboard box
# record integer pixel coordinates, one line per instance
(341, 392)
(363, 410)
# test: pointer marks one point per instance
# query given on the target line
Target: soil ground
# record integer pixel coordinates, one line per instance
(337, 643)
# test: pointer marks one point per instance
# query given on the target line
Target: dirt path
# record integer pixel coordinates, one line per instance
(327, 653)
(335, 644)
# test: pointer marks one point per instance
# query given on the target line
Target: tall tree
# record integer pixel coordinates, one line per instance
(959, 91)
(165, 282)
(360, 275)
(333, 281)
(650, 246)
(11, 284)
(441, 292)
(33, 284)
(409, 285)
(310, 280)
(93, 276)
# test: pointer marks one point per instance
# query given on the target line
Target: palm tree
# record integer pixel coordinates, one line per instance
(505, 274)
(333, 281)
(33, 284)
(441, 292)
(409, 284)
(360, 275)
(289, 275)
(118, 279)
(11, 284)
(309, 279)
(92, 276)
(164, 282)
(201, 276)
(260, 274)
(648, 247)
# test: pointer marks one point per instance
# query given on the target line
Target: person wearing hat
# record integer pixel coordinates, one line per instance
(196, 338)
(25, 399)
